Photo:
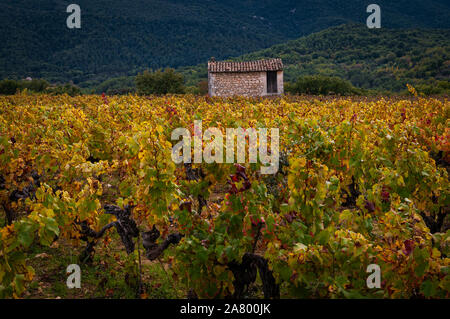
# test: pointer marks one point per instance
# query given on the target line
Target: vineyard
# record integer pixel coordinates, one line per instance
(361, 181)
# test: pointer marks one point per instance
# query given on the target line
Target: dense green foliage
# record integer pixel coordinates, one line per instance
(160, 82)
(10, 87)
(114, 86)
(122, 38)
(382, 59)
(321, 85)
(67, 88)
(440, 87)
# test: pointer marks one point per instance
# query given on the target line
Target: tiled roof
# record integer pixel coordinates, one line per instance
(246, 66)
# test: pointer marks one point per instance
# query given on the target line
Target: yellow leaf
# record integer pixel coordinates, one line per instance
(436, 253)
(400, 181)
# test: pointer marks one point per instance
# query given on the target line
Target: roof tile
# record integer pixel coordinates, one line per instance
(245, 66)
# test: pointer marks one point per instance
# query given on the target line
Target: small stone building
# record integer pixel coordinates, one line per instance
(248, 78)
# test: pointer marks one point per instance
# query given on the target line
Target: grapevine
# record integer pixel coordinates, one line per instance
(361, 181)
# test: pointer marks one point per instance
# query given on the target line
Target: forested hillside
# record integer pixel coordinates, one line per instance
(120, 38)
(383, 58)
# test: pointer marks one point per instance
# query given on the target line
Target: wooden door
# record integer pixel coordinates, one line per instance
(272, 86)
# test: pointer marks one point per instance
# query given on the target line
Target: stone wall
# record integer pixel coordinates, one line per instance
(280, 82)
(238, 83)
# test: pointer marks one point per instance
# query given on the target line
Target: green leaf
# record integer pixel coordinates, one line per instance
(428, 288)
(323, 237)
(51, 225)
(285, 273)
(202, 255)
(133, 147)
(18, 283)
(126, 189)
(421, 257)
(25, 234)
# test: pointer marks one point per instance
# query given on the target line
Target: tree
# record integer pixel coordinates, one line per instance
(203, 87)
(67, 88)
(8, 87)
(35, 85)
(160, 82)
(321, 85)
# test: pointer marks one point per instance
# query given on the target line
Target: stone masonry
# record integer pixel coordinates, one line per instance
(244, 78)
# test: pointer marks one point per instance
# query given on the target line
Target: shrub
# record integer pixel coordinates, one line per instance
(440, 87)
(117, 86)
(67, 88)
(203, 87)
(35, 85)
(321, 85)
(8, 87)
(160, 82)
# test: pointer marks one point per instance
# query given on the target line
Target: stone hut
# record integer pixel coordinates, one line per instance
(248, 78)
